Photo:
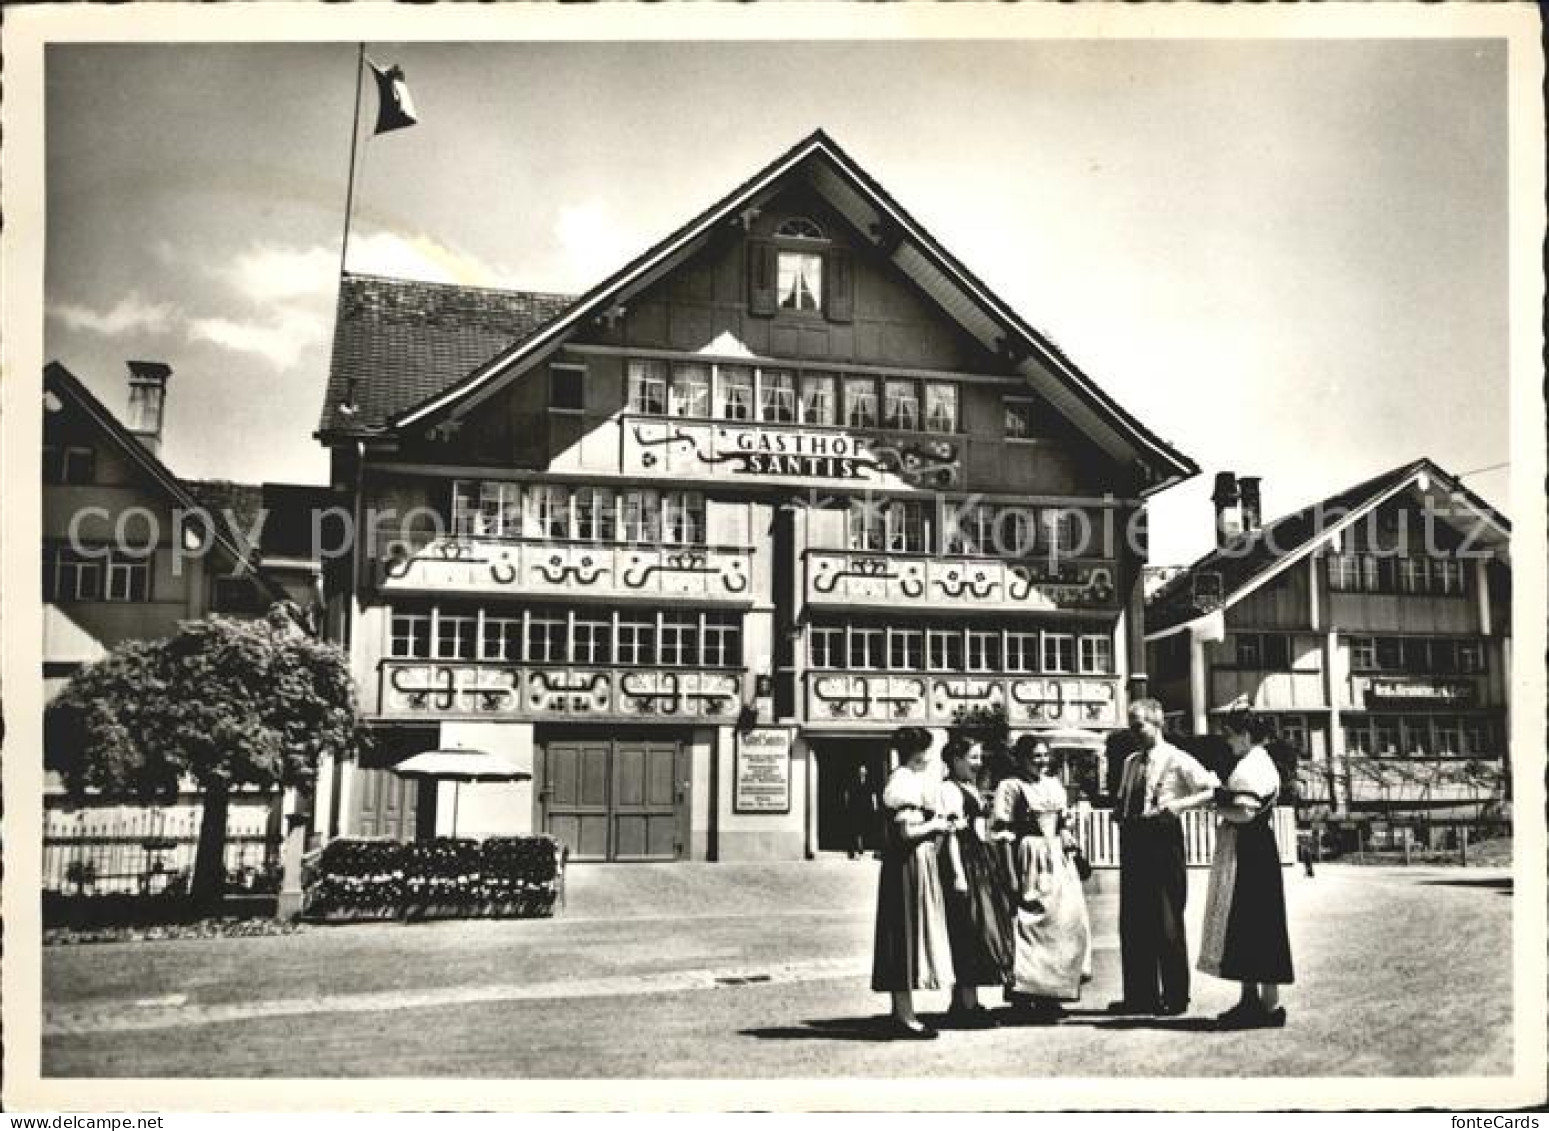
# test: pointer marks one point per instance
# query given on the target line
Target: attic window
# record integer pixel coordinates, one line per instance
(1021, 419)
(799, 281)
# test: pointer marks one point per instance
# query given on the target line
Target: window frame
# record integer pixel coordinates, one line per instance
(576, 371)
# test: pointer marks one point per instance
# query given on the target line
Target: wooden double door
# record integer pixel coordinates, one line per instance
(614, 798)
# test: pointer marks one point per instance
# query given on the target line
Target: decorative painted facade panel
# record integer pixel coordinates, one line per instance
(427, 689)
(934, 700)
(715, 574)
(847, 578)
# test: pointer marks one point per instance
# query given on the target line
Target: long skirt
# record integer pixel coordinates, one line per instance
(912, 951)
(1245, 937)
(979, 920)
(1053, 937)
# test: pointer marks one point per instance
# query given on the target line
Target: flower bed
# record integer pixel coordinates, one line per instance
(355, 878)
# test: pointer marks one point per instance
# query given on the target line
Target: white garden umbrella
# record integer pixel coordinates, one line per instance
(458, 766)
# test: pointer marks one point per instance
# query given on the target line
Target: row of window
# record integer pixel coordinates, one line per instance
(782, 396)
(102, 574)
(1389, 573)
(1420, 736)
(913, 526)
(992, 650)
(1418, 655)
(1413, 655)
(493, 509)
(570, 636)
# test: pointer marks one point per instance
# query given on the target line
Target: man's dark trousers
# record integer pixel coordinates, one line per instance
(1153, 887)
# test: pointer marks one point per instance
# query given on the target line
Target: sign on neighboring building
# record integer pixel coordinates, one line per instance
(1453, 693)
(762, 778)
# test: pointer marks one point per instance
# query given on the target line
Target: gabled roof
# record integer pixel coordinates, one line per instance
(871, 210)
(1250, 560)
(286, 511)
(398, 341)
(60, 381)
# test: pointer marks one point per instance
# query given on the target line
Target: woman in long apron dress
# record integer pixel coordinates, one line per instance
(1245, 938)
(977, 894)
(911, 951)
(1052, 936)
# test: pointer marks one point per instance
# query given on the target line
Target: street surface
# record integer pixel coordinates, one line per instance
(758, 971)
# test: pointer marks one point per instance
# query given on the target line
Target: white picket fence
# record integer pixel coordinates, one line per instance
(1098, 834)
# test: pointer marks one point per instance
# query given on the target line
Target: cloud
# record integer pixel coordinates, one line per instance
(420, 257)
(591, 239)
(133, 314)
(270, 274)
(280, 341)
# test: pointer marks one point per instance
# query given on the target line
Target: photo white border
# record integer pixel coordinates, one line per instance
(28, 30)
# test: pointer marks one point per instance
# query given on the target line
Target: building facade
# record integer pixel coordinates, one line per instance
(691, 546)
(1375, 627)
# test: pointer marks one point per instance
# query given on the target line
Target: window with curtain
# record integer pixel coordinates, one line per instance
(817, 398)
(860, 402)
(777, 396)
(690, 389)
(799, 280)
(866, 526)
(940, 407)
(683, 518)
(901, 405)
(647, 391)
(735, 389)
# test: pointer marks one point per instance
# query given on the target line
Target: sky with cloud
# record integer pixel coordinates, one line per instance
(1288, 258)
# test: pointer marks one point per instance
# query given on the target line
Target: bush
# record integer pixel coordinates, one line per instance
(521, 875)
(363, 878)
(356, 878)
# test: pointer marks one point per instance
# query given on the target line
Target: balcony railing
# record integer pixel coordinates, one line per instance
(541, 567)
(891, 580)
(847, 699)
(431, 688)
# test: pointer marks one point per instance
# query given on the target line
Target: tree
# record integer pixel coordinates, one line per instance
(225, 702)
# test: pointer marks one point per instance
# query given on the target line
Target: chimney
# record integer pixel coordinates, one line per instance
(1252, 505)
(148, 401)
(1228, 503)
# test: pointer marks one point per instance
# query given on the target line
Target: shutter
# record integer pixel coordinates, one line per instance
(839, 289)
(761, 278)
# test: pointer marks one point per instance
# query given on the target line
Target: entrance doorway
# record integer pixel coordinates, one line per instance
(838, 762)
(610, 798)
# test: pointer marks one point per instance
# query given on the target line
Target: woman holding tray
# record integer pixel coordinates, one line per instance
(912, 951)
(1245, 938)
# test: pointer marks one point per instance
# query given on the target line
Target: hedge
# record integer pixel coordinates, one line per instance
(355, 878)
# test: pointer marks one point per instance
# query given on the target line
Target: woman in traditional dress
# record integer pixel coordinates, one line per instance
(912, 951)
(1052, 937)
(1245, 938)
(977, 892)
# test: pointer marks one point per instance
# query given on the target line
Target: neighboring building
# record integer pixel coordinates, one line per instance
(1374, 626)
(138, 564)
(711, 531)
(127, 555)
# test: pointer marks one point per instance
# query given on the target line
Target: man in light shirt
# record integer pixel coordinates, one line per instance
(1159, 782)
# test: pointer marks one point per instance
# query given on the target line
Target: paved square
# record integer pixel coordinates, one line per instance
(749, 971)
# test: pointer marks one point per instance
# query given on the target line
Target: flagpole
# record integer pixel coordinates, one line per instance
(349, 192)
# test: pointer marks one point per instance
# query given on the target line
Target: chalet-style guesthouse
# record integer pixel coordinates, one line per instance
(709, 532)
(1375, 626)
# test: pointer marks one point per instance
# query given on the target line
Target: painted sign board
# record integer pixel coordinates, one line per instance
(761, 781)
